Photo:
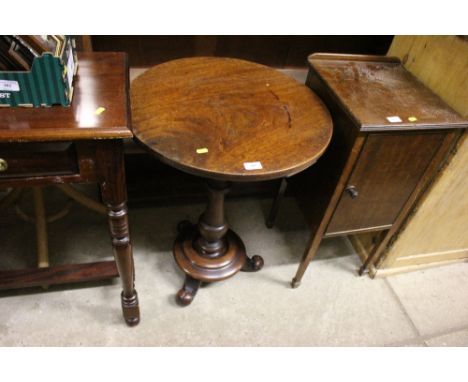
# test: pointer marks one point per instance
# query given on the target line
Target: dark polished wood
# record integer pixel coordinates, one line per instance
(320, 202)
(210, 251)
(60, 274)
(275, 51)
(111, 176)
(59, 145)
(389, 168)
(212, 117)
(449, 142)
(38, 159)
(239, 111)
(190, 288)
(101, 82)
(366, 88)
(374, 170)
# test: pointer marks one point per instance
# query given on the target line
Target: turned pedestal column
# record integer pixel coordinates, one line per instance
(210, 251)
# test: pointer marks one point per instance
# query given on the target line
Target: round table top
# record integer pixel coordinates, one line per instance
(228, 119)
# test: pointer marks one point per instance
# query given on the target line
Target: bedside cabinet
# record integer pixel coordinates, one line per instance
(391, 135)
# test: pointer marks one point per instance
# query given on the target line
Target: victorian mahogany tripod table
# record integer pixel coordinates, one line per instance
(226, 120)
(77, 144)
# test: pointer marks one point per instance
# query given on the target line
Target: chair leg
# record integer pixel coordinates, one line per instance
(41, 228)
(270, 222)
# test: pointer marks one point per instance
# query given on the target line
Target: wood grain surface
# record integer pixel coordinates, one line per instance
(210, 116)
(371, 90)
(102, 81)
(389, 168)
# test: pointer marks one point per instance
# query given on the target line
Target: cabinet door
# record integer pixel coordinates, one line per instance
(387, 171)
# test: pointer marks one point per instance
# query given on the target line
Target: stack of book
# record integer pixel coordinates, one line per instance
(37, 70)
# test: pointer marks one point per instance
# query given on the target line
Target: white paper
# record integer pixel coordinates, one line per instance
(394, 119)
(253, 165)
(70, 68)
(9, 86)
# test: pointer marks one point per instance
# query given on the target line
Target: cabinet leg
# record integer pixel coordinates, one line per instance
(309, 254)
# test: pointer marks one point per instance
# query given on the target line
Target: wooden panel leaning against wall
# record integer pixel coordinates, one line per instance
(435, 234)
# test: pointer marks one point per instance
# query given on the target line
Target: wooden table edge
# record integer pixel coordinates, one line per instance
(86, 134)
(250, 177)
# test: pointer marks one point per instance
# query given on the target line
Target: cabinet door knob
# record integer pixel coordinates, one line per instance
(3, 164)
(351, 190)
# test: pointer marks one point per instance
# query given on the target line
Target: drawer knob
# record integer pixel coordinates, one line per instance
(351, 190)
(3, 165)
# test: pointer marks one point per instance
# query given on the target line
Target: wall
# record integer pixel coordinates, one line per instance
(276, 51)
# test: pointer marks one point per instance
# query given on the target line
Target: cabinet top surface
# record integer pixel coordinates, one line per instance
(228, 119)
(101, 82)
(378, 93)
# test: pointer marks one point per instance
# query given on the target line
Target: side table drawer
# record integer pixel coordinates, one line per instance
(37, 159)
(387, 171)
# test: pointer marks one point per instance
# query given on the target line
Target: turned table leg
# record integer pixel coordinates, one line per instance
(210, 251)
(212, 224)
(111, 167)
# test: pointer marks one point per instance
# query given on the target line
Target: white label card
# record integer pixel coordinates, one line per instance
(9, 86)
(70, 68)
(253, 165)
(394, 119)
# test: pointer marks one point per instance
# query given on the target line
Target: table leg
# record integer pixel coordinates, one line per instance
(210, 251)
(112, 182)
(270, 222)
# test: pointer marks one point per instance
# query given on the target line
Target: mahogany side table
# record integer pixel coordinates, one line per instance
(225, 120)
(77, 144)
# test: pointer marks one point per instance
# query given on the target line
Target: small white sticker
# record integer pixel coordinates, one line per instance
(394, 119)
(9, 86)
(253, 165)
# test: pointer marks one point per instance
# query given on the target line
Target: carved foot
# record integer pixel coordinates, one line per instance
(130, 309)
(295, 283)
(253, 264)
(186, 295)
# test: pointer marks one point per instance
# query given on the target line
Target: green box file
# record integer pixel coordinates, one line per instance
(49, 82)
